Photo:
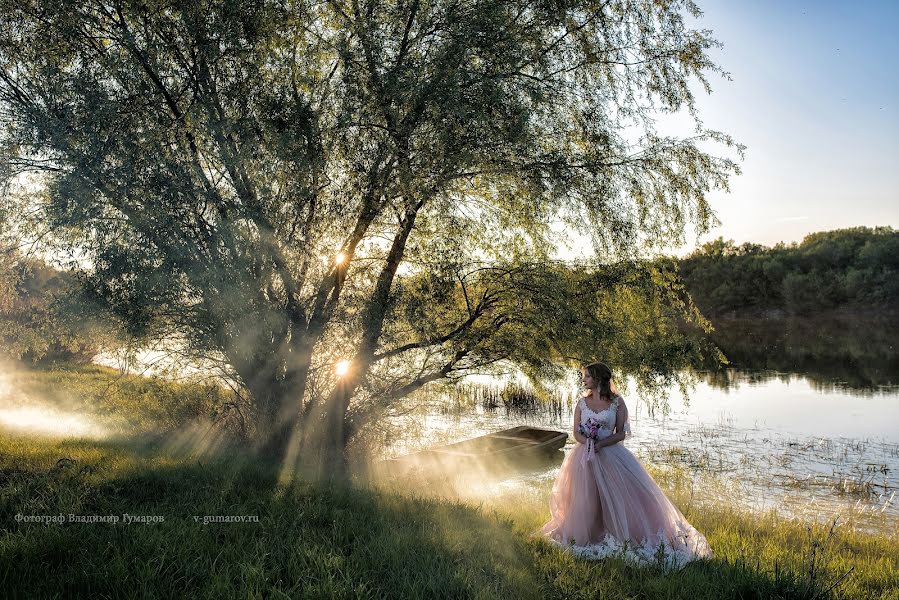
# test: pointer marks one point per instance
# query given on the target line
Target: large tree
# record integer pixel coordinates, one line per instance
(284, 184)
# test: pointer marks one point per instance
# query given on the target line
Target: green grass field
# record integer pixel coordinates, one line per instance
(313, 541)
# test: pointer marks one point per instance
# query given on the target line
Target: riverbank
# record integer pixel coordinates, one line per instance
(384, 540)
(302, 540)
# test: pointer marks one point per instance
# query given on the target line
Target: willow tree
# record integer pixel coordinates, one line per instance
(285, 184)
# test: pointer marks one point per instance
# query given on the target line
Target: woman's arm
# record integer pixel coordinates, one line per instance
(619, 435)
(577, 423)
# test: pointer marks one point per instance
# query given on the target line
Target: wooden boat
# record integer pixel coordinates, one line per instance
(510, 448)
(522, 440)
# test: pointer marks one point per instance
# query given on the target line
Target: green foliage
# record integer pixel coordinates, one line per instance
(42, 318)
(550, 318)
(210, 158)
(857, 268)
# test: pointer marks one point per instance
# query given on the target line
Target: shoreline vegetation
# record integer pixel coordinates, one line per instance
(382, 538)
(368, 541)
(825, 307)
(846, 274)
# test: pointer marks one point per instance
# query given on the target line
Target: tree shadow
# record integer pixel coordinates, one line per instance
(228, 527)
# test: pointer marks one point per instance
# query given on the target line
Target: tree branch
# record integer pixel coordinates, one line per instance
(461, 328)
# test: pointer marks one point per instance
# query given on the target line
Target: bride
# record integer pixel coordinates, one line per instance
(604, 502)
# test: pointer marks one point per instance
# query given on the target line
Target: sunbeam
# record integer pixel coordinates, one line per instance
(49, 421)
(20, 412)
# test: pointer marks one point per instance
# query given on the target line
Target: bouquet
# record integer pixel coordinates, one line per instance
(590, 430)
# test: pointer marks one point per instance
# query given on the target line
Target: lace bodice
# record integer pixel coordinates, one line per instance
(605, 419)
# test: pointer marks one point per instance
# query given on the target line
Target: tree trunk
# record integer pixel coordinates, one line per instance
(310, 445)
(278, 405)
(277, 437)
(333, 464)
(334, 436)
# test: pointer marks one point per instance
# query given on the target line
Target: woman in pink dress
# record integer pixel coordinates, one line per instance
(603, 502)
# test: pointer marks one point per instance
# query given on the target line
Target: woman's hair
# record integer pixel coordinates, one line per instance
(602, 374)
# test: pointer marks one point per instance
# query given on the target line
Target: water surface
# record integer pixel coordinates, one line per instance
(818, 441)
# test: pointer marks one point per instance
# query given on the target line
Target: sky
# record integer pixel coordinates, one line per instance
(814, 96)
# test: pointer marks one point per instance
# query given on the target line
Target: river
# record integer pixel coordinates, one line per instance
(797, 441)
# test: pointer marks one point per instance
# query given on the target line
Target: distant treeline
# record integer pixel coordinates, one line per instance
(43, 318)
(855, 268)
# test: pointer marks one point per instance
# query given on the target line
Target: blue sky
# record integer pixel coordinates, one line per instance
(815, 98)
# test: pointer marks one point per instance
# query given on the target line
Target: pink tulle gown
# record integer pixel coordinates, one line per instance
(604, 503)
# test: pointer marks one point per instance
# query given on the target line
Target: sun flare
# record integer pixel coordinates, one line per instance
(342, 367)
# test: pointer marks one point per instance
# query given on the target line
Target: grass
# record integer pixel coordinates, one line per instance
(314, 541)
(309, 541)
(94, 401)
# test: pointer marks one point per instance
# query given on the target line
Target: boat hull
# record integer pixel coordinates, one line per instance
(512, 449)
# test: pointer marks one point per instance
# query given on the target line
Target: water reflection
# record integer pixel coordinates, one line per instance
(728, 379)
(766, 440)
(858, 353)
